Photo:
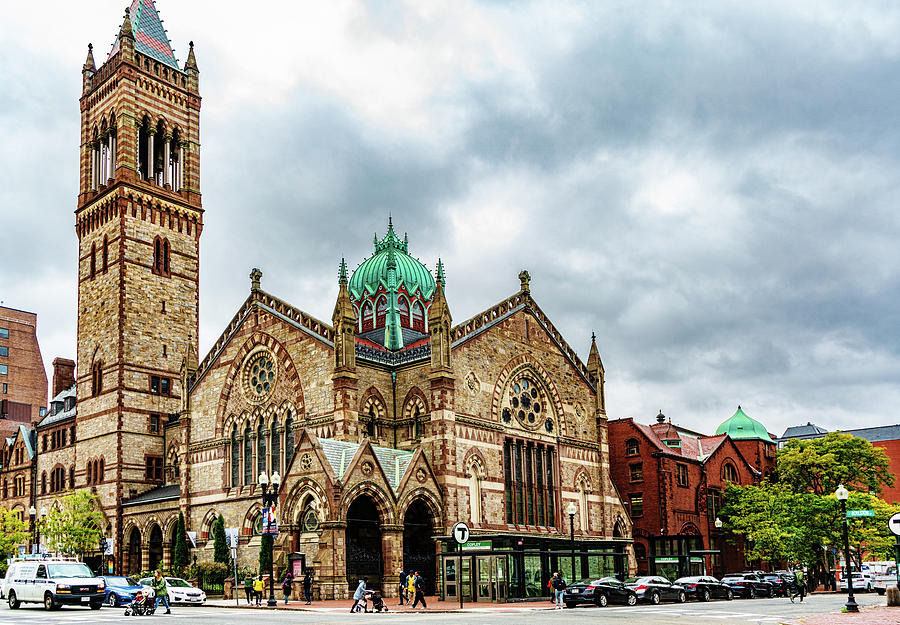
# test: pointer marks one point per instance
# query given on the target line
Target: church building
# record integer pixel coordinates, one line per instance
(385, 425)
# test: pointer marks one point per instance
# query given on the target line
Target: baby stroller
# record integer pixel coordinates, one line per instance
(378, 604)
(143, 604)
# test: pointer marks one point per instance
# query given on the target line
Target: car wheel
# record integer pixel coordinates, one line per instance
(704, 596)
(632, 600)
(602, 600)
(112, 600)
(12, 602)
(769, 592)
(654, 598)
(729, 595)
(570, 605)
(682, 597)
(48, 601)
(751, 594)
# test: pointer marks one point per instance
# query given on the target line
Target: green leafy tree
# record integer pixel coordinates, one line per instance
(182, 547)
(13, 532)
(73, 527)
(220, 542)
(819, 465)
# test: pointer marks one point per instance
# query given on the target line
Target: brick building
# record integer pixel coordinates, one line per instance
(672, 480)
(386, 426)
(23, 381)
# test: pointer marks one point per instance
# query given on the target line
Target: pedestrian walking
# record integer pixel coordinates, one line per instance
(403, 579)
(258, 587)
(359, 594)
(307, 586)
(248, 588)
(410, 587)
(559, 589)
(419, 587)
(162, 592)
(287, 586)
(801, 582)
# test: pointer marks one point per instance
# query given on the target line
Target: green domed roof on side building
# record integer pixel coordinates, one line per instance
(740, 427)
(373, 272)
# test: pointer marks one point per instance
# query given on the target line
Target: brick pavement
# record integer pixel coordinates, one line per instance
(876, 615)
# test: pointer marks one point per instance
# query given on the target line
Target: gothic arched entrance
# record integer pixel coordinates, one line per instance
(364, 557)
(418, 543)
(156, 547)
(134, 552)
(173, 545)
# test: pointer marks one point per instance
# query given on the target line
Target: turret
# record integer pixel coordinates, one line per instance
(439, 321)
(190, 68)
(126, 38)
(596, 375)
(344, 321)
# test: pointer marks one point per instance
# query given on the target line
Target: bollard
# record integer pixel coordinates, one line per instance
(893, 596)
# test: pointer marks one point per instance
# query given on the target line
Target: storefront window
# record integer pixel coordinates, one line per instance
(534, 583)
(601, 566)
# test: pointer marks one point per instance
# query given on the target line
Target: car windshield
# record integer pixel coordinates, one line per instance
(121, 581)
(69, 569)
(687, 580)
(732, 578)
(609, 581)
(638, 580)
(178, 582)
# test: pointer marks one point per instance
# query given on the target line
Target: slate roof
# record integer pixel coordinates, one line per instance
(340, 454)
(62, 415)
(692, 446)
(150, 37)
(160, 493)
(877, 434)
(409, 335)
(810, 429)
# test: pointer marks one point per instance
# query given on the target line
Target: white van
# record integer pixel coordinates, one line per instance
(53, 582)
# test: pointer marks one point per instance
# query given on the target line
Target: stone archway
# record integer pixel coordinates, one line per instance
(363, 537)
(418, 543)
(155, 547)
(134, 552)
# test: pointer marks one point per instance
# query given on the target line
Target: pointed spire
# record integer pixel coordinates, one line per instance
(191, 60)
(89, 61)
(440, 272)
(342, 272)
(126, 31)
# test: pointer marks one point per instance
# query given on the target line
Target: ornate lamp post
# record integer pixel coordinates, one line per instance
(719, 525)
(571, 510)
(842, 495)
(32, 514)
(269, 500)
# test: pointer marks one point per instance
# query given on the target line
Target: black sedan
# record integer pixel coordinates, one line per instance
(781, 582)
(599, 592)
(748, 585)
(654, 589)
(705, 587)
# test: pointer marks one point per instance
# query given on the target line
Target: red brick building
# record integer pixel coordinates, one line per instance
(672, 480)
(23, 381)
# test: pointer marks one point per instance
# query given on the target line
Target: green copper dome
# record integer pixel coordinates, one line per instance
(373, 272)
(741, 427)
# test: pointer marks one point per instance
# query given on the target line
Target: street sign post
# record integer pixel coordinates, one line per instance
(853, 514)
(460, 533)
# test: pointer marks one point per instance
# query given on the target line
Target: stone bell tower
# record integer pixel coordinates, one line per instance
(138, 221)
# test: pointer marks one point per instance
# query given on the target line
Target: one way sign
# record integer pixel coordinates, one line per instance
(894, 524)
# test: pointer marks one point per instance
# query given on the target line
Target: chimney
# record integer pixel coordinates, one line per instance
(63, 375)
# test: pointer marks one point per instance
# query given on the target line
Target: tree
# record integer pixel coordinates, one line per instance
(182, 548)
(220, 542)
(820, 464)
(13, 532)
(73, 526)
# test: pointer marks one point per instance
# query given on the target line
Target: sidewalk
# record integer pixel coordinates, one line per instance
(875, 615)
(343, 605)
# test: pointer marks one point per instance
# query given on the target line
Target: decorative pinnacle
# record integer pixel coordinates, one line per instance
(255, 277)
(191, 62)
(126, 30)
(525, 281)
(342, 274)
(440, 272)
(89, 61)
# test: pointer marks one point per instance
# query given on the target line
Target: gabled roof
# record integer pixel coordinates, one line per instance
(28, 436)
(810, 429)
(877, 434)
(62, 415)
(150, 37)
(693, 447)
(340, 454)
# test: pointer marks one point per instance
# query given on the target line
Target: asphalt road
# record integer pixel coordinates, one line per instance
(737, 612)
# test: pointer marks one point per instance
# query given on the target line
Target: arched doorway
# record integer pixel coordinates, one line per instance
(134, 552)
(418, 543)
(156, 547)
(173, 542)
(364, 558)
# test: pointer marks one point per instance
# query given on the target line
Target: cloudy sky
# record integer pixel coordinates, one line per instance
(712, 187)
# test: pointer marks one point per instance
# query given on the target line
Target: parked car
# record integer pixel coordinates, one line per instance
(653, 589)
(748, 585)
(862, 582)
(781, 582)
(705, 587)
(599, 592)
(180, 591)
(53, 582)
(120, 590)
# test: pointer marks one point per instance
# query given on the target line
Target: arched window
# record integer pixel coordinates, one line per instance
(93, 260)
(145, 143)
(90, 472)
(276, 447)
(368, 320)
(72, 476)
(475, 492)
(403, 307)
(174, 169)
(100, 471)
(96, 378)
(288, 438)
(105, 254)
(632, 447)
(380, 312)
(260, 449)
(161, 256)
(248, 457)
(165, 257)
(235, 458)
(43, 483)
(729, 473)
(418, 317)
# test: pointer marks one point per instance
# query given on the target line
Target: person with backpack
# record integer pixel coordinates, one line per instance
(307, 586)
(287, 586)
(403, 579)
(559, 589)
(419, 587)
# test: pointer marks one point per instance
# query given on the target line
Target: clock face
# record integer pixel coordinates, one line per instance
(310, 521)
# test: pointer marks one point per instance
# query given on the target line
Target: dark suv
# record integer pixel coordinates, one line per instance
(705, 587)
(781, 582)
(748, 585)
(653, 589)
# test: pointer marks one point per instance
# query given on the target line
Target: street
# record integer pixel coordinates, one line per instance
(737, 611)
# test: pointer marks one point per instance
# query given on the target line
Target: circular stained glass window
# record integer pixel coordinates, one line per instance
(526, 403)
(260, 376)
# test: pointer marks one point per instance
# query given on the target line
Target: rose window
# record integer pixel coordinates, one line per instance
(259, 376)
(527, 404)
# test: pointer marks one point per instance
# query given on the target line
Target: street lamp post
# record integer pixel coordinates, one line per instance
(719, 525)
(269, 500)
(842, 495)
(32, 514)
(571, 509)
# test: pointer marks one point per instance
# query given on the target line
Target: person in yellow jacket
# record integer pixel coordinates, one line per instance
(410, 586)
(258, 587)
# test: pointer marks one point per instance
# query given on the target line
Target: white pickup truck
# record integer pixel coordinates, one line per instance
(885, 576)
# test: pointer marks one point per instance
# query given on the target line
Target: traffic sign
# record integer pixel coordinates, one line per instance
(851, 514)
(460, 533)
(894, 524)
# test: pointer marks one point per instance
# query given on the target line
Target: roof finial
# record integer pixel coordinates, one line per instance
(342, 273)
(125, 30)
(525, 281)
(255, 277)
(89, 61)
(440, 272)
(660, 418)
(191, 62)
